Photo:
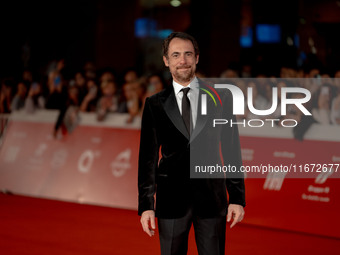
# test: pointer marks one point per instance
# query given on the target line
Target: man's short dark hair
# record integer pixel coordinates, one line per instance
(180, 35)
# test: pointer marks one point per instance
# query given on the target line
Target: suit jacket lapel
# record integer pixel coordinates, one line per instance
(201, 119)
(171, 108)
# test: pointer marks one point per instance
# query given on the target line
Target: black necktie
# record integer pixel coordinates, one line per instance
(186, 110)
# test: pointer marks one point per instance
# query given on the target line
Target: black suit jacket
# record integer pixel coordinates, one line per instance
(163, 132)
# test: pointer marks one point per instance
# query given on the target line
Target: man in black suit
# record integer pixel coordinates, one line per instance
(172, 122)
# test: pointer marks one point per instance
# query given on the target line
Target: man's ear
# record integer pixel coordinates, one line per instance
(197, 57)
(166, 62)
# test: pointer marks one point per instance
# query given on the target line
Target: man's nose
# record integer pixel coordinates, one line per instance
(183, 59)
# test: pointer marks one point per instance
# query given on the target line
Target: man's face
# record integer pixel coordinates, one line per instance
(181, 60)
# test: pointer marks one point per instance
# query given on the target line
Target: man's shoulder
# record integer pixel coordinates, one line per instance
(160, 95)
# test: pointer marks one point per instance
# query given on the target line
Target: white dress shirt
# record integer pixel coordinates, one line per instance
(192, 95)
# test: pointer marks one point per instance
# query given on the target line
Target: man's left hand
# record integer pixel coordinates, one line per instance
(236, 212)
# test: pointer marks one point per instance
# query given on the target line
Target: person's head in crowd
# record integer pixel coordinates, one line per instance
(232, 71)
(140, 87)
(109, 101)
(337, 79)
(73, 92)
(80, 80)
(321, 105)
(133, 90)
(6, 95)
(335, 110)
(18, 101)
(27, 75)
(7, 86)
(107, 75)
(35, 89)
(22, 88)
(56, 81)
(199, 74)
(246, 71)
(300, 73)
(155, 84)
(89, 70)
(60, 65)
(261, 75)
(229, 73)
(91, 86)
(314, 73)
(337, 74)
(35, 99)
(283, 72)
(134, 95)
(288, 72)
(108, 88)
(89, 102)
(130, 76)
(129, 91)
(323, 97)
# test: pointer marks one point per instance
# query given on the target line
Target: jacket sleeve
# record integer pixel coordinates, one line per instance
(148, 160)
(231, 151)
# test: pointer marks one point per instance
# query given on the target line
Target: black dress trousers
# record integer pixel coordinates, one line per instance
(209, 234)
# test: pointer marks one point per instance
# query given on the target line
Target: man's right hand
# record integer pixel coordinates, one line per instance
(148, 222)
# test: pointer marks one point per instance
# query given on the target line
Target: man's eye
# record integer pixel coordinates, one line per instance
(189, 54)
(175, 55)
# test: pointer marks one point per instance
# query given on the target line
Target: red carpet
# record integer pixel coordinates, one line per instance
(38, 226)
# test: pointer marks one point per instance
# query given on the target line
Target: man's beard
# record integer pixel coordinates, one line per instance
(184, 77)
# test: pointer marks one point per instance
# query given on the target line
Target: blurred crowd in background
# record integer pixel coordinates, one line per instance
(53, 56)
(105, 91)
(87, 90)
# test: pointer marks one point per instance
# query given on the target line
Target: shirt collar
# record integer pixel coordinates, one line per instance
(177, 87)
